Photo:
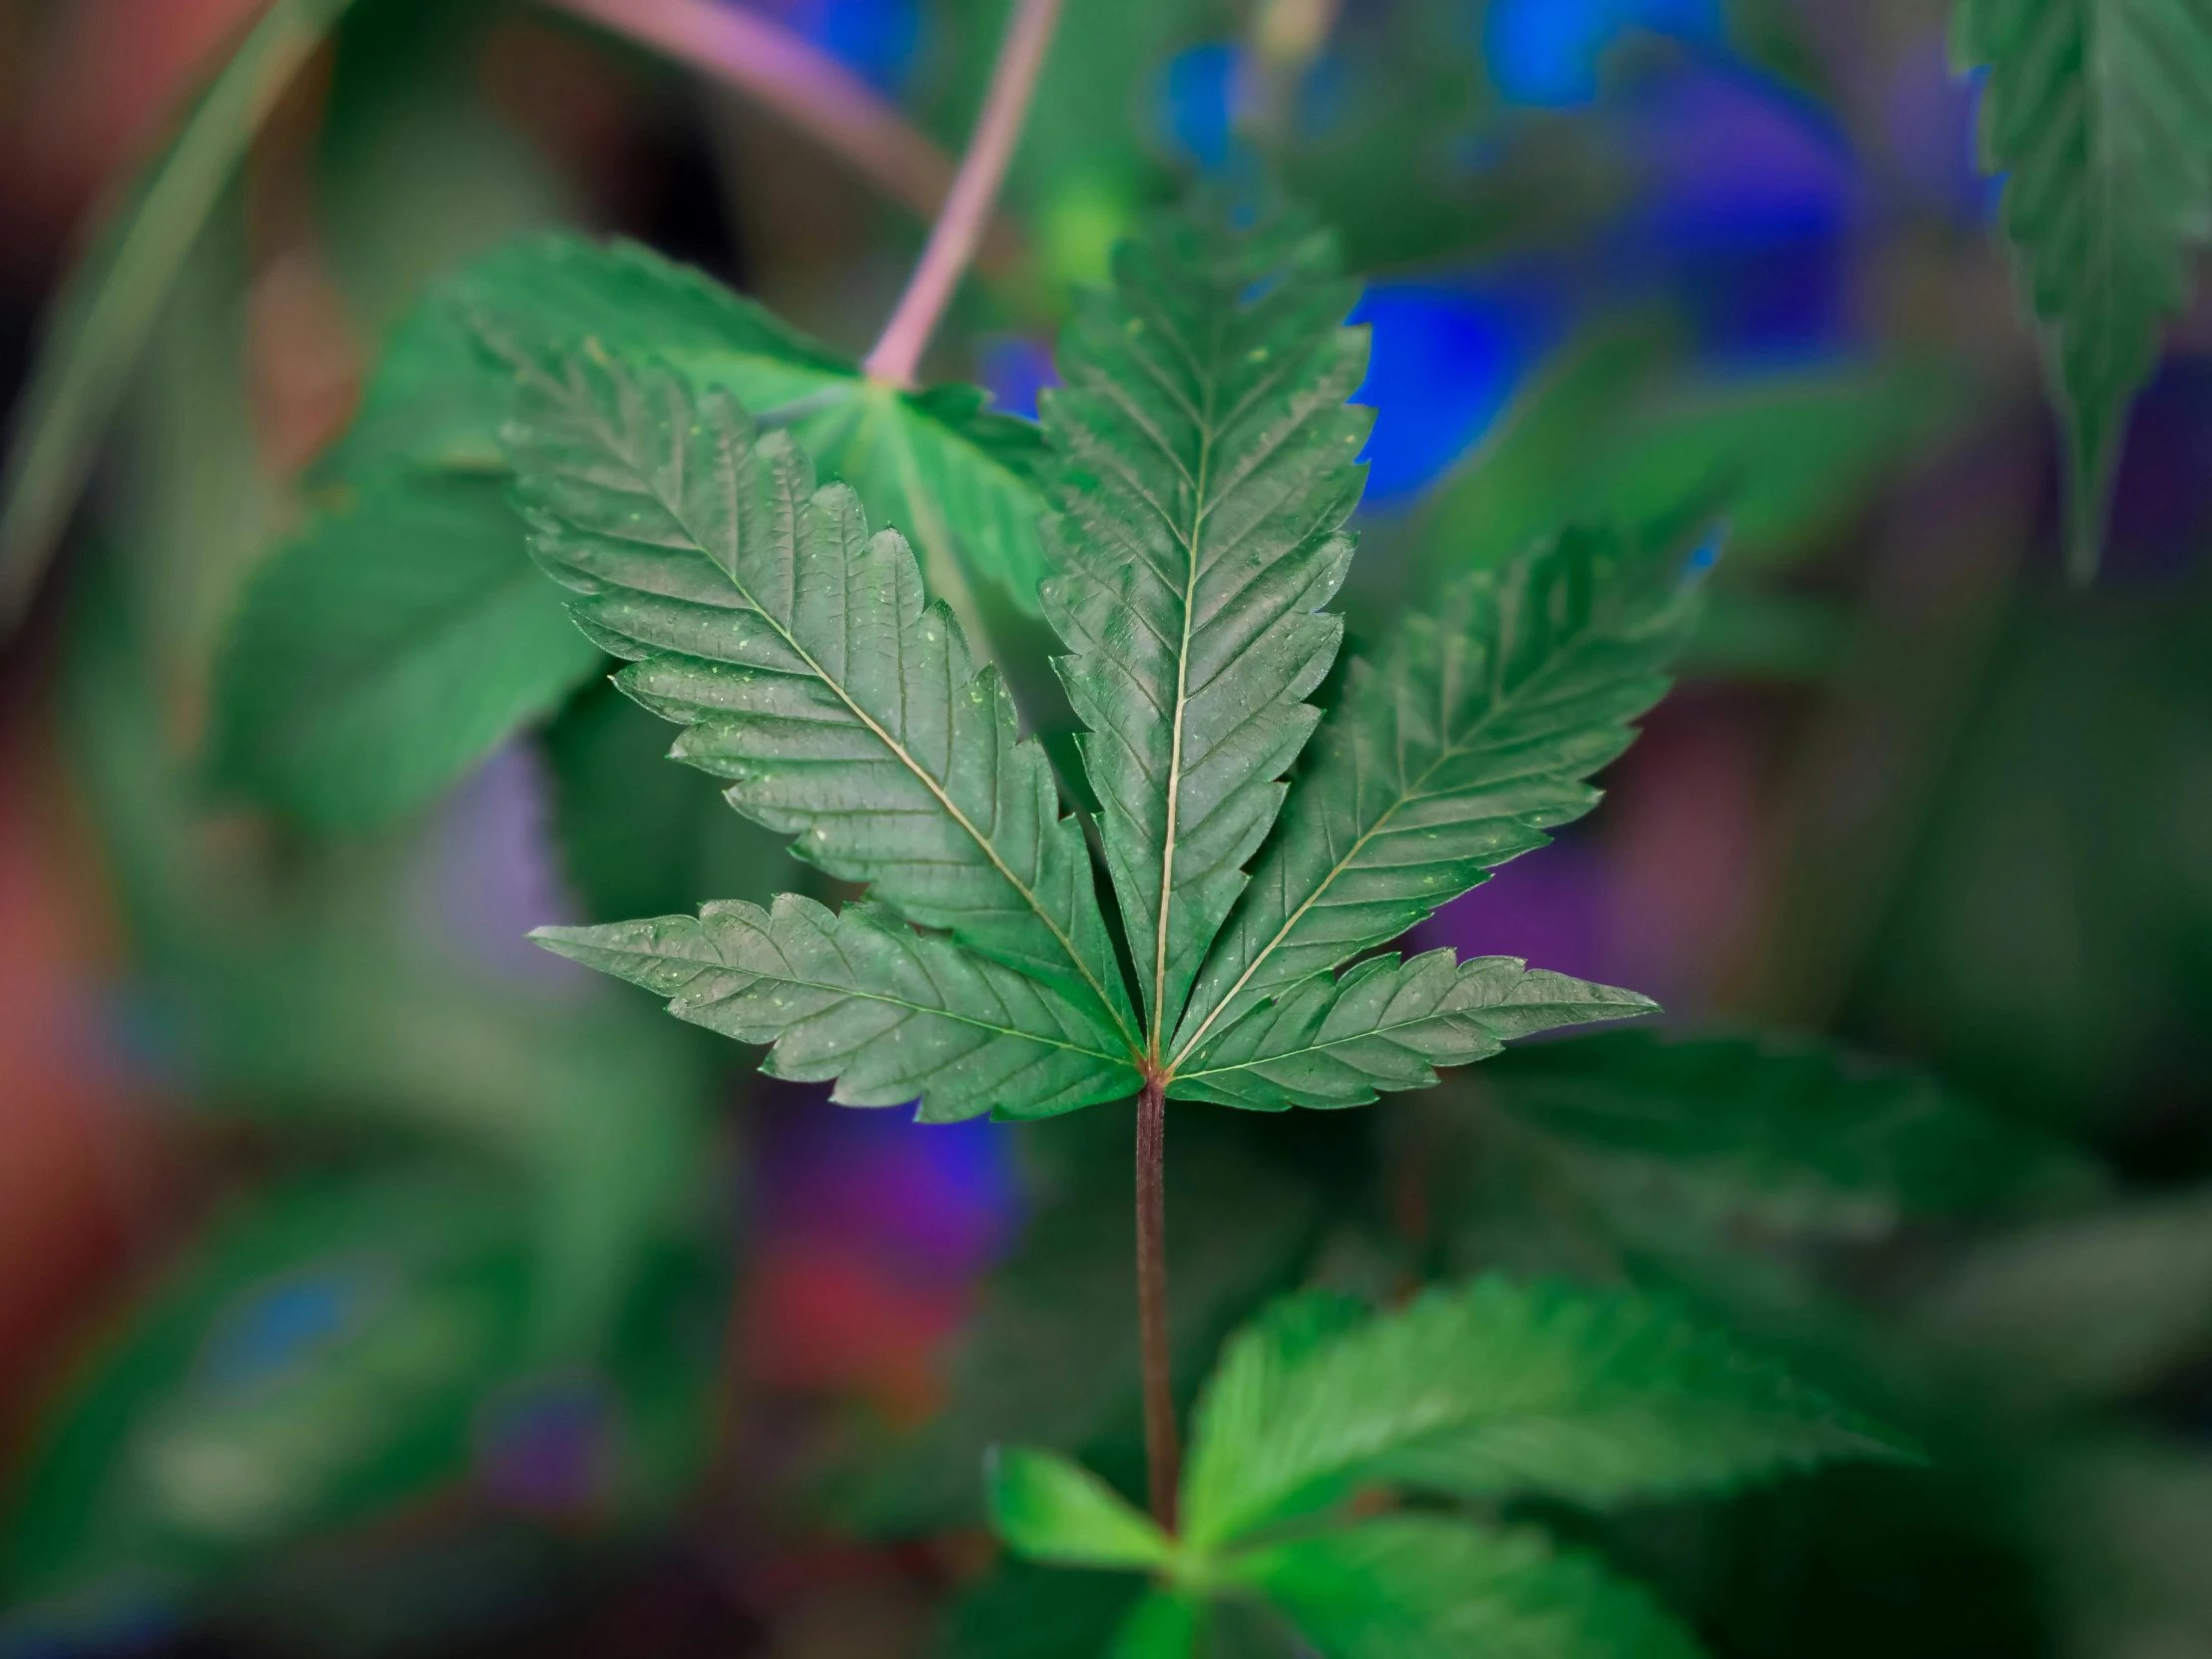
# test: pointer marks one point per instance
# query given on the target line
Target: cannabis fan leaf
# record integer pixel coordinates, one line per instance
(2094, 110)
(1208, 465)
(1486, 1390)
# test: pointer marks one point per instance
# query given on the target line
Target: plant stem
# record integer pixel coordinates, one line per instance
(959, 227)
(796, 81)
(1163, 1456)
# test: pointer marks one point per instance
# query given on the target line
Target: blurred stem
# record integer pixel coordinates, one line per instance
(108, 305)
(959, 227)
(1163, 1456)
(813, 92)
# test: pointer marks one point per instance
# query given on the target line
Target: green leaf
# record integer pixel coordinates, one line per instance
(1596, 1395)
(2122, 1524)
(1785, 1134)
(892, 1015)
(1386, 1026)
(387, 651)
(436, 400)
(639, 837)
(335, 1356)
(2080, 1311)
(1473, 737)
(1209, 465)
(1025, 1612)
(958, 479)
(1408, 1588)
(1615, 434)
(799, 654)
(1165, 1625)
(2095, 112)
(1049, 1509)
(110, 302)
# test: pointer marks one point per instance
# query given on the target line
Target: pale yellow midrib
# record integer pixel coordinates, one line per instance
(1182, 703)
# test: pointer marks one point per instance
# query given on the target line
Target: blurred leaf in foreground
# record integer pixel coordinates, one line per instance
(639, 834)
(329, 1352)
(109, 303)
(1610, 434)
(2081, 1311)
(423, 454)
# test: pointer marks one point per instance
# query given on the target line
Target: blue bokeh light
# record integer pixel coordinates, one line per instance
(1443, 363)
(1547, 52)
(1194, 104)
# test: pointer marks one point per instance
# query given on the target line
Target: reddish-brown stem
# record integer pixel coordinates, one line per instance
(1163, 1453)
(952, 240)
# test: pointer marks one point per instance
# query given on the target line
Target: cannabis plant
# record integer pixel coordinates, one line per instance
(1204, 465)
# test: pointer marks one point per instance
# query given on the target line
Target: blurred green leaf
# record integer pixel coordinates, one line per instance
(312, 1005)
(1597, 1396)
(1396, 139)
(1610, 434)
(639, 834)
(1751, 635)
(110, 302)
(2093, 112)
(1046, 1508)
(1786, 1135)
(387, 651)
(329, 1352)
(1165, 1625)
(420, 533)
(1777, 37)
(2124, 1527)
(2050, 942)
(1026, 1612)
(2078, 1311)
(959, 481)
(1408, 1588)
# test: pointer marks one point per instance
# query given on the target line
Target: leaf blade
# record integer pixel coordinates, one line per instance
(1788, 1134)
(889, 1015)
(1473, 737)
(798, 653)
(1406, 1587)
(1208, 467)
(1383, 1025)
(1047, 1508)
(2095, 111)
(1595, 1395)
(386, 650)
